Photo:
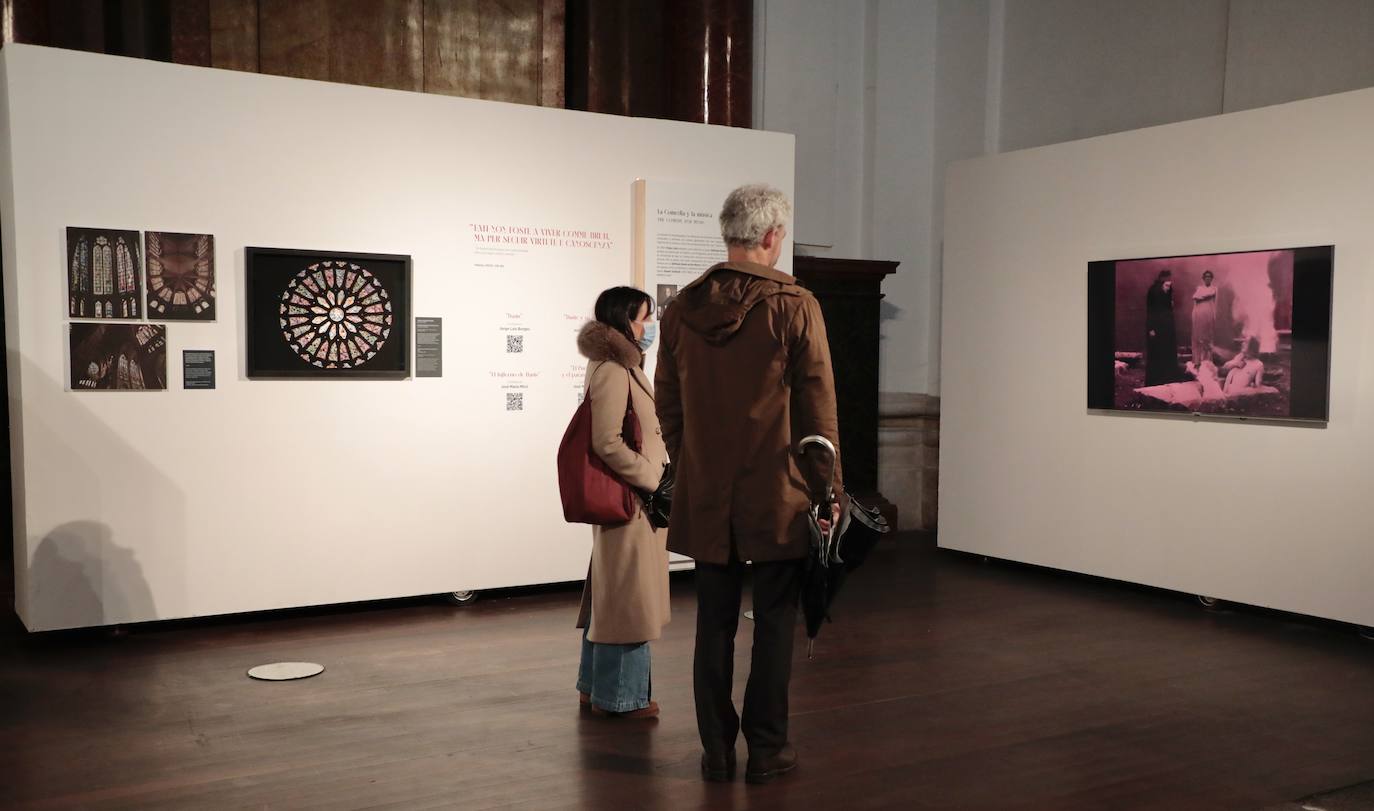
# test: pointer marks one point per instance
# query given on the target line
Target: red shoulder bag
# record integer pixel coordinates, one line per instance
(592, 493)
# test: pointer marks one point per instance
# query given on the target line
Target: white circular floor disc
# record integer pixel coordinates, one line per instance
(286, 671)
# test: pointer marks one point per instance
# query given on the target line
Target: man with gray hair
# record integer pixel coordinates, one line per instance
(743, 374)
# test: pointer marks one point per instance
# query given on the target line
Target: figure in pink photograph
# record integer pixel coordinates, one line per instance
(1161, 341)
(1204, 318)
(1245, 372)
(1206, 375)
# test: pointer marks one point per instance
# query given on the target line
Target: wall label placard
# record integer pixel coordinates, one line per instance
(429, 347)
(198, 369)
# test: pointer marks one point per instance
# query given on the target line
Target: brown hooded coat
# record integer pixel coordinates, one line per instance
(743, 374)
(625, 597)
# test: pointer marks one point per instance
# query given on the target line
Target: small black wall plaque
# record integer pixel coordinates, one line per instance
(198, 368)
(429, 347)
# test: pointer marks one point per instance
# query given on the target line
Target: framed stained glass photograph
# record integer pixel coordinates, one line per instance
(181, 275)
(327, 314)
(108, 357)
(104, 274)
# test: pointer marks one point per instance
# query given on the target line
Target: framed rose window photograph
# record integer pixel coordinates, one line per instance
(323, 314)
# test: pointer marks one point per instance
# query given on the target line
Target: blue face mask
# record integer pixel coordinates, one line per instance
(650, 332)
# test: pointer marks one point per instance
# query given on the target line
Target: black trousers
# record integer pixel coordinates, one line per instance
(776, 589)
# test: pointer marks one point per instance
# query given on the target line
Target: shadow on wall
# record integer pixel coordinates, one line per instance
(89, 547)
(81, 577)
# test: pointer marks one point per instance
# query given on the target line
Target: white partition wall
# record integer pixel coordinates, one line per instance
(1263, 514)
(260, 494)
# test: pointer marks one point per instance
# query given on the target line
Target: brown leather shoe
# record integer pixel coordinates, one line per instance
(650, 711)
(584, 699)
(718, 767)
(763, 769)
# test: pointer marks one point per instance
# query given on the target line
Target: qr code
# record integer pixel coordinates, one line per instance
(515, 343)
(515, 402)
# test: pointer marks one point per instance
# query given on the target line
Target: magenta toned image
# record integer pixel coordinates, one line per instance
(1205, 334)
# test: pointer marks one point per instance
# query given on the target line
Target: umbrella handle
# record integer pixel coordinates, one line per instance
(819, 441)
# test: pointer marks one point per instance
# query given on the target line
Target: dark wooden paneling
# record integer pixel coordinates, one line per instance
(139, 28)
(75, 24)
(553, 53)
(503, 51)
(618, 58)
(648, 86)
(27, 21)
(293, 38)
(691, 60)
(234, 34)
(850, 294)
(453, 64)
(602, 73)
(711, 43)
(377, 43)
(506, 50)
(508, 41)
(190, 23)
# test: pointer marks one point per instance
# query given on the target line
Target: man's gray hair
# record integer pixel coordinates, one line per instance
(750, 211)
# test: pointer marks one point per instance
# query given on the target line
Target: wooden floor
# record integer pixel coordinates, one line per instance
(945, 682)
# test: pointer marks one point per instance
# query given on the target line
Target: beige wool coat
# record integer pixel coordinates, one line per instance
(625, 597)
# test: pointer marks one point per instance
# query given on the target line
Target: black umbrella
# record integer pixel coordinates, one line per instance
(837, 551)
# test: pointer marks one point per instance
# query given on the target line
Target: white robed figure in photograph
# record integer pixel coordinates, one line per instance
(1204, 319)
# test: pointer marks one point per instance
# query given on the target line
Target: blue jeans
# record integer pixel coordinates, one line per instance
(615, 676)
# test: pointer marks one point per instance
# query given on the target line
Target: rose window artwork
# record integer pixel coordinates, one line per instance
(335, 315)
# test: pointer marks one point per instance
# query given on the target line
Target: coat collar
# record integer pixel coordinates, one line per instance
(756, 270)
(601, 342)
(749, 269)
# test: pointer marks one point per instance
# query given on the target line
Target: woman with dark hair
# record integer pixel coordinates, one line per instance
(1161, 342)
(625, 597)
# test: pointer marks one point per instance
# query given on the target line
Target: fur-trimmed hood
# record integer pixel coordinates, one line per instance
(600, 342)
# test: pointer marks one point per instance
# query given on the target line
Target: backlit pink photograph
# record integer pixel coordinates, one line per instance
(1207, 334)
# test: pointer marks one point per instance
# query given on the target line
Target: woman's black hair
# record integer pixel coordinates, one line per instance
(619, 307)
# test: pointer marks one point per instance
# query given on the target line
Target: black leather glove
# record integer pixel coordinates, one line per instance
(658, 505)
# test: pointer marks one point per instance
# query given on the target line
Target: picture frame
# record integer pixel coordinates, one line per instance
(105, 356)
(104, 271)
(327, 314)
(180, 271)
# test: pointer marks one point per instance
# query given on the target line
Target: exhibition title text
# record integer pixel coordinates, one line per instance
(536, 236)
(682, 215)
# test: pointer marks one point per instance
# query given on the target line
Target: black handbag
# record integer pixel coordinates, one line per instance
(658, 505)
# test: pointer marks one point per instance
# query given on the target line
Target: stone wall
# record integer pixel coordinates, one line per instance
(909, 457)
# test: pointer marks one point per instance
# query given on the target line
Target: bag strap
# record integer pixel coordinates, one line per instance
(629, 386)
